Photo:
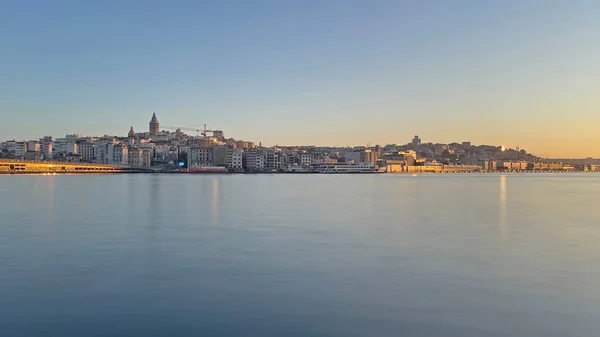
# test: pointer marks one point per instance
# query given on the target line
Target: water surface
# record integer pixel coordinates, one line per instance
(300, 255)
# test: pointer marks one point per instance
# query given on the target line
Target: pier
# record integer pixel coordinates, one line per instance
(14, 166)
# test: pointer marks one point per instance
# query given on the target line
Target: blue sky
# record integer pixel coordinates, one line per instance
(339, 72)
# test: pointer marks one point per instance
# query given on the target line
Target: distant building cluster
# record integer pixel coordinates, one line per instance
(173, 149)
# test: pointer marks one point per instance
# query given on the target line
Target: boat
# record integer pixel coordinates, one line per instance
(298, 169)
(207, 169)
(349, 168)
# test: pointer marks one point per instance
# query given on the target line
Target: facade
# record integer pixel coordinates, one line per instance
(9, 146)
(253, 160)
(33, 146)
(135, 157)
(65, 145)
(361, 156)
(147, 157)
(199, 156)
(20, 149)
(235, 159)
(72, 138)
(221, 153)
(71, 148)
(408, 158)
(291, 158)
(274, 160)
(490, 165)
(86, 151)
(154, 125)
(46, 150)
(120, 155)
(103, 151)
(32, 155)
(416, 141)
(548, 166)
(242, 144)
(305, 159)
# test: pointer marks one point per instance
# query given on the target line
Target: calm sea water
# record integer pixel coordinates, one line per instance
(300, 255)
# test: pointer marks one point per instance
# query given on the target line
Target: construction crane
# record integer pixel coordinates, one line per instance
(199, 132)
(184, 128)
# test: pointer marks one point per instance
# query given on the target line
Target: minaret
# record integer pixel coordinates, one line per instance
(154, 125)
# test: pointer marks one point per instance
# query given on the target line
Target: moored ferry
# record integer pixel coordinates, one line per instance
(349, 168)
(207, 169)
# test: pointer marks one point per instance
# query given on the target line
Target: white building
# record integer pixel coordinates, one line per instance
(237, 159)
(33, 146)
(71, 148)
(147, 157)
(46, 150)
(20, 149)
(72, 138)
(135, 157)
(234, 159)
(119, 154)
(274, 160)
(199, 156)
(305, 159)
(65, 146)
(253, 160)
(86, 151)
(104, 151)
(291, 158)
(9, 146)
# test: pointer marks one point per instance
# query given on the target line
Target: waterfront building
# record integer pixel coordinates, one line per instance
(274, 160)
(361, 156)
(33, 145)
(234, 159)
(46, 150)
(199, 156)
(253, 160)
(305, 159)
(103, 151)
(120, 154)
(86, 151)
(135, 157)
(221, 153)
(407, 157)
(20, 149)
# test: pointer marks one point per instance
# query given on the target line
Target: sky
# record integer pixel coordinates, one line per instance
(318, 72)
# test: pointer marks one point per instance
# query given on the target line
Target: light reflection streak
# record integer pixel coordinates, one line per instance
(502, 206)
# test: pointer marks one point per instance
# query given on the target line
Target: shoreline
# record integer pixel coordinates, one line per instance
(277, 173)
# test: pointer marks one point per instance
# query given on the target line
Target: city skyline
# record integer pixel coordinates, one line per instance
(196, 130)
(338, 73)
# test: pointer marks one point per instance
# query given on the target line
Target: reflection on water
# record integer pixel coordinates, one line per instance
(300, 255)
(214, 202)
(155, 201)
(502, 213)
